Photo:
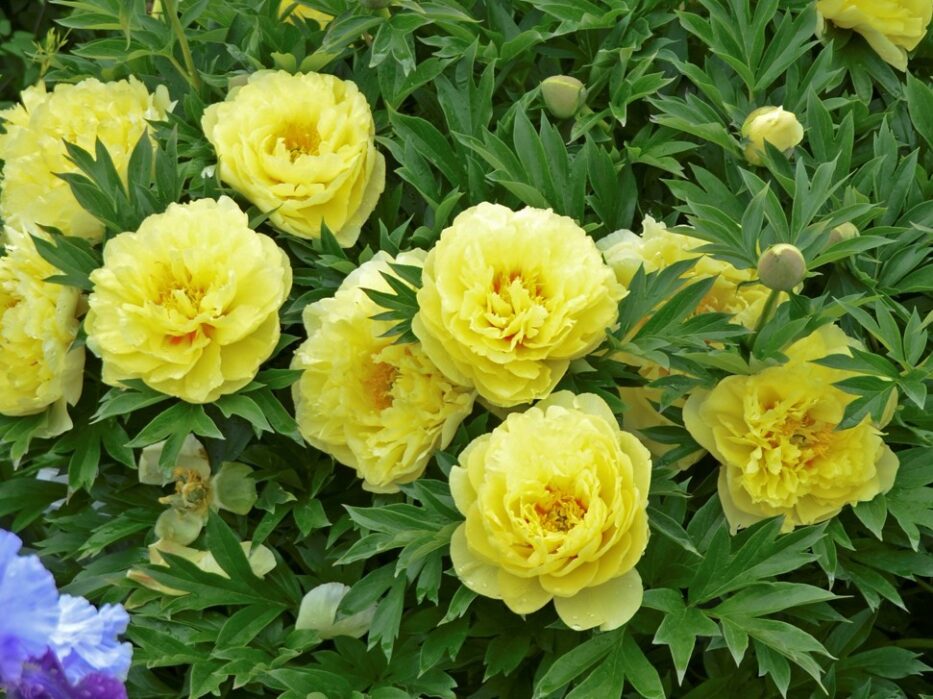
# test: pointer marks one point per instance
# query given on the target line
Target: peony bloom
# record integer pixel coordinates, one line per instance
(38, 324)
(301, 148)
(189, 302)
(378, 407)
(774, 125)
(295, 9)
(733, 292)
(509, 298)
(891, 27)
(554, 500)
(775, 435)
(33, 148)
(196, 491)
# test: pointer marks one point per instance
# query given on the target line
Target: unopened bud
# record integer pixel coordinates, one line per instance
(563, 95)
(844, 231)
(318, 613)
(774, 125)
(782, 267)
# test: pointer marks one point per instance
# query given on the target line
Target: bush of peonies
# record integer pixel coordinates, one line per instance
(333, 362)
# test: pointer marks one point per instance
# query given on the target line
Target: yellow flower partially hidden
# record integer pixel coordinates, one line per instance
(733, 292)
(774, 125)
(554, 500)
(304, 12)
(260, 558)
(378, 407)
(301, 148)
(38, 324)
(33, 148)
(891, 27)
(510, 298)
(774, 434)
(189, 302)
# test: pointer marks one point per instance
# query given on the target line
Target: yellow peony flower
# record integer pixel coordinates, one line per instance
(510, 298)
(554, 500)
(34, 151)
(302, 149)
(778, 127)
(733, 292)
(304, 12)
(189, 302)
(774, 434)
(891, 27)
(38, 324)
(378, 407)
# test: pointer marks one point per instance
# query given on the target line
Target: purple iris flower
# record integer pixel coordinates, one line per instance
(55, 647)
(29, 604)
(46, 679)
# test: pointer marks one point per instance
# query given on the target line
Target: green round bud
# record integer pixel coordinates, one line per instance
(563, 95)
(782, 267)
(844, 231)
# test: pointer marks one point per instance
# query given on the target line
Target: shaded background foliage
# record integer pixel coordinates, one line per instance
(459, 117)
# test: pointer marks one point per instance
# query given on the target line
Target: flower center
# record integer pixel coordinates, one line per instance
(802, 440)
(378, 382)
(560, 512)
(192, 490)
(301, 139)
(515, 306)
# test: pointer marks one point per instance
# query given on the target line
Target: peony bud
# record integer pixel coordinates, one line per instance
(563, 95)
(844, 231)
(782, 267)
(319, 610)
(772, 124)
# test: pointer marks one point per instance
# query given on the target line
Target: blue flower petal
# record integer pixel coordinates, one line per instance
(29, 601)
(85, 640)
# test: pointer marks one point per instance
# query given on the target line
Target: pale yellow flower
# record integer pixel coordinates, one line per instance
(302, 149)
(510, 298)
(380, 408)
(260, 558)
(33, 148)
(555, 503)
(891, 27)
(189, 302)
(304, 12)
(733, 292)
(774, 434)
(39, 368)
(778, 127)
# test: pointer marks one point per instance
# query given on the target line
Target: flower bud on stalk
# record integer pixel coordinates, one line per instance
(774, 125)
(844, 231)
(563, 95)
(782, 267)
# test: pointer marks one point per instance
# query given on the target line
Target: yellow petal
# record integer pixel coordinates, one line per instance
(480, 577)
(607, 606)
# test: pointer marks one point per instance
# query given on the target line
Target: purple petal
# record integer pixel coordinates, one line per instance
(86, 639)
(45, 679)
(29, 604)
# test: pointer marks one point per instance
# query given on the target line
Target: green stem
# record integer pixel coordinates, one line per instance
(171, 11)
(914, 643)
(766, 311)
